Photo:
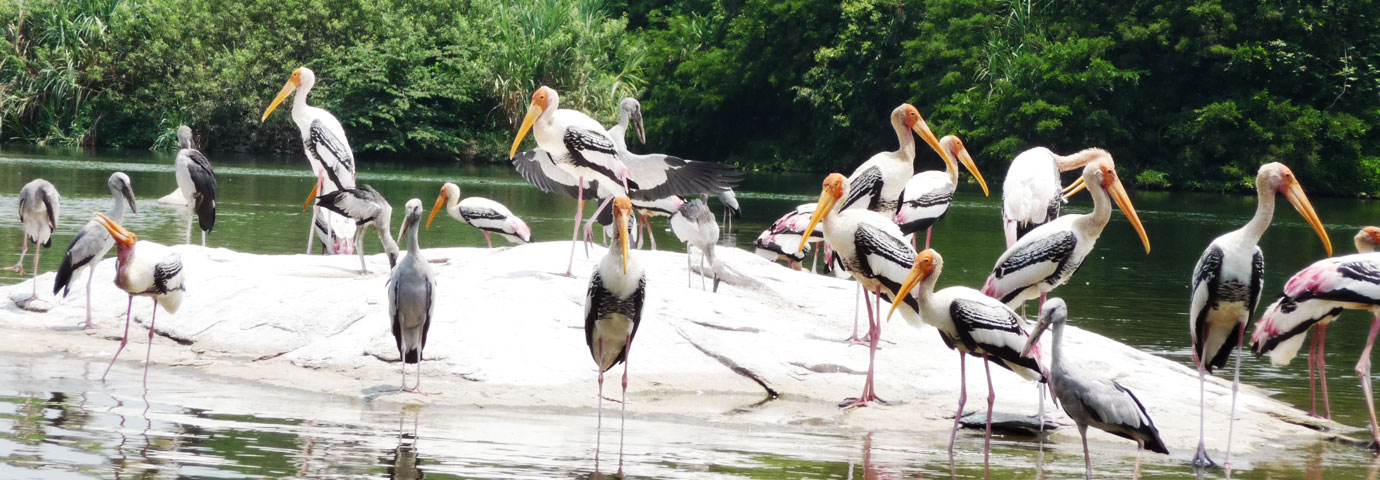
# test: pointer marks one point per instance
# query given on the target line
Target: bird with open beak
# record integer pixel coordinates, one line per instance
(143, 269)
(613, 305)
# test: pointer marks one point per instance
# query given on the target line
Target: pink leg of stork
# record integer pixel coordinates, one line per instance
(589, 224)
(1235, 385)
(123, 340)
(1312, 362)
(575, 235)
(962, 399)
(487, 239)
(18, 267)
(149, 349)
(855, 340)
(1322, 369)
(928, 231)
(874, 334)
(1363, 371)
(991, 400)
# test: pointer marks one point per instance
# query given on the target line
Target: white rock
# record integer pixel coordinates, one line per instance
(174, 198)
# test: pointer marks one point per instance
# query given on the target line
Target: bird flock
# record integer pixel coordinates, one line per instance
(867, 225)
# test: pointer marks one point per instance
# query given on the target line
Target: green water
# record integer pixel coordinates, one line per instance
(1120, 292)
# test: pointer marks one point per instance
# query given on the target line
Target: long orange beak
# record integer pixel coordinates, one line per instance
(311, 197)
(1294, 193)
(533, 111)
(282, 95)
(1075, 187)
(440, 200)
(827, 199)
(918, 272)
(1118, 193)
(622, 222)
(923, 130)
(967, 161)
(122, 236)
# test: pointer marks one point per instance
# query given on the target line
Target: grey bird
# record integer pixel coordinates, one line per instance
(367, 208)
(731, 208)
(38, 212)
(411, 296)
(1090, 400)
(694, 224)
(94, 241)
(197, 182)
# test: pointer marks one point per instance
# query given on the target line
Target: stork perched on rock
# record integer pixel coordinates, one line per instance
(1031, 193)
(411, 296)
(197, 182)
(927, 195)
(367, 208)
(694, 224)
(38, 213)
(93, 241)
(486, 215)
(144, 269)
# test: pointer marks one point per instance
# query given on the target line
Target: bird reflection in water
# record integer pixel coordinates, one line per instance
(598, 444)
(405, 459)
(871, 471)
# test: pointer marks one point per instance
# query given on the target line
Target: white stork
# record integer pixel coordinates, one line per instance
(367, 208)
(971, 323)
(876, 185)
(1227, 282)
(695, 225)
(873, 250)
(330, 156)
(486, 215)
(1092, 400)
(1317, 295)
(1030, 194)
(1049, 255)
(926, 197)
(38, 213)
(411, 296)
(197, 182)
(613, 305)
(93, 241)
(144, 269)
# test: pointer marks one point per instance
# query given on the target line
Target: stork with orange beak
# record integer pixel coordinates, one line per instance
(328, 152)
(143, 269)
(613, 306)
(876, 185)
(1367, 239)
(926, 197)
(479, 212)
(1227, 282)
(871, 248)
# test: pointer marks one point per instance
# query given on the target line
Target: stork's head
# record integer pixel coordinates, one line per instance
(1055, 312)
(631, 111)
(907, 116)
(123, 237)
(412, 218)
(927, 265)
(543, 99)
(119, 185)
(302, 77)
(450, 193)
(622, 209)
(835, 187)
(184, 137)
(953, 148)
(1275, 178)
(1102, 175)
(1367, 239)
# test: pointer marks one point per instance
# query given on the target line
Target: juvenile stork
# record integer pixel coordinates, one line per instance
(411, 296)
(874, 251)
(143, 269)
(927, 195)
(970, 323)
(330, 156)
(38, 213)
(613, 305)
(367, 208)
(1089, 399)
(197, 182)
(1048, 256)
(486, 215)
(1316, 295)
(694, 224)
(1227, 282)
(1030, 194)
(93, 241)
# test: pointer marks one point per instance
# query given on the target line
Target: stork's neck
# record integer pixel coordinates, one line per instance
(1102, 210)
(453, 207)
(1055, 356)
(412, 247)
(950, 165)
(299, 100)
(906, 141)
(1264, 212)
(117, 212)
(927, 287)
(1080, 159)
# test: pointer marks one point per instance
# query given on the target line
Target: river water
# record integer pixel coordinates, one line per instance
(60, 423)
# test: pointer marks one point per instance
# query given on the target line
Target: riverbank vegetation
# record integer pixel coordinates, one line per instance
(1186, 95)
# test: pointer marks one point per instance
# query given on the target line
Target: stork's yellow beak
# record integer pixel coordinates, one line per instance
(967, 161)
(119, 233)
(923, 266)
(311, 197)
(832, 191)
(1118, 193)
(1294, 193)
(440, 200)
(533, 111)
(282, 95)
(1075, 187)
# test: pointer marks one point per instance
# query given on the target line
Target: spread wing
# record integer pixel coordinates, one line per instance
(593, 150)
(660, 175)
(539, 168)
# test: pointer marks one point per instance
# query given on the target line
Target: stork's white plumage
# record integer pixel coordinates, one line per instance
(144, 269)
(694, 224)
(971, 323)
(411, 296)
(876, 185)
(927, 195)
(1227, 283)
(197, 182)
(479, 212)
(1049, 255)
(93, 242)
(1030, 194)
(658, 175)
(368, 209)
(613, 304)
(330, 156)
(661, 207)
(38, 213)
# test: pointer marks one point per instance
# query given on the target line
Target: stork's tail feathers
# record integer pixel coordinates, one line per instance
(413, 356)
(989, 288)
(64, 276)
(1153, 442)
(205, 213)
(520, 229)
(1280, 331)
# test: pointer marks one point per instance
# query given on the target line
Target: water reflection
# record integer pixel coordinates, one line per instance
(405, 460)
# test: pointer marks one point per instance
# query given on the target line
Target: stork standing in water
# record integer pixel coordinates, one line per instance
(1227, 282)
(144, 269)
(1316, 295)
(38, 213)
(93, 241)
(330, 156)
(411, 296)
(927, 195)
(613, 305)
(873, 250)
(1365, 241)
(1090, 400)
(1049, 255)
(479, 212)
(971, 323)
(1031, 193)
(367, 208)
(694, 224)
(197, 182)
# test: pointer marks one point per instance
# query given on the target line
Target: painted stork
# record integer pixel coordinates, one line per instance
(926, 197)
(661, 207)
(1030, 194)
(970, 323)
(787, 231)
(38, 213)
(411, 296)
(775, 247)
(613, 306)
(486, 215)
(873, 250)
(1367, 239)
(1316, 295)
(606, 219)
(144, 269)
(330, 156)
(1049, 255)
(93, 241)
(197, 182)
(876, 185)
(1227, 282)
(367, 208)
(731, 208)
(1089, 399)
(695, 225)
